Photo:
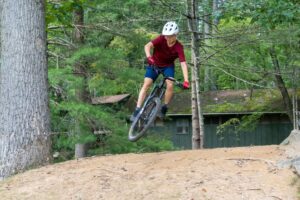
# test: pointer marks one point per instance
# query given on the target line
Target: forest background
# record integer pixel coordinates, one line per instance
(96, 48)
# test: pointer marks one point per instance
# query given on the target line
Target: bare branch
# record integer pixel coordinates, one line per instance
(238, 78)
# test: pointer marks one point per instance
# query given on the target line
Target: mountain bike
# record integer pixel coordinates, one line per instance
(150, 108)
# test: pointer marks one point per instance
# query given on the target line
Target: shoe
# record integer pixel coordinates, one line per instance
(134, 114)
(163, 111)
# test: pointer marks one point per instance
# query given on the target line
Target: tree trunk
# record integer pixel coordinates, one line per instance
(207, 34)
(207, 23)
(24, 110)
(78, 20)
(209, 28)
(196, 139)
(215, 20)
(197, 118)
(82, 94)
(80, 150)
(280, 84)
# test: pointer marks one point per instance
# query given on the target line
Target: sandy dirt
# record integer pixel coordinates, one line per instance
(249, 173)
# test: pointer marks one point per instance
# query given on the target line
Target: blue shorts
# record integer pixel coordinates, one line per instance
(153, 74)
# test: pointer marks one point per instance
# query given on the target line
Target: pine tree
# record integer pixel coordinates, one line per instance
(24, 111)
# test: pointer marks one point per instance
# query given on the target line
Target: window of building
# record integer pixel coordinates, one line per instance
(182, 126)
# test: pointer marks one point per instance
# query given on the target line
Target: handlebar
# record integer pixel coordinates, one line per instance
(177, 83)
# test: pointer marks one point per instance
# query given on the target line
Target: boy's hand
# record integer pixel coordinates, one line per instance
(150, 60)
(186, 85)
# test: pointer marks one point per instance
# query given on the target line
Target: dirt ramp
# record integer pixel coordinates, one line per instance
(214, 174)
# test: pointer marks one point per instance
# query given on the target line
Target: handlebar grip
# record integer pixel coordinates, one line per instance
(179, 84)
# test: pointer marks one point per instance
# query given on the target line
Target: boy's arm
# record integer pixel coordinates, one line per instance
(184, 68)
(148, 48)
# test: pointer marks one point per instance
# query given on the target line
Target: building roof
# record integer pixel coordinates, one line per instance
(220, 102)
(230, 101)
(109, 99)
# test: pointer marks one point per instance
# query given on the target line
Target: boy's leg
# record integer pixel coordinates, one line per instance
(169, 72)
(150, 77)
(147, 84)
(169, 92)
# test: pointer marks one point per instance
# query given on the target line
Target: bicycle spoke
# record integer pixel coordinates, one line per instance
(145, 119)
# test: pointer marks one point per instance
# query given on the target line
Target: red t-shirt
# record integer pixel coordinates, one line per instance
(164, 55)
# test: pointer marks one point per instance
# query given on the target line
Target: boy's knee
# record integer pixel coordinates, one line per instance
(146, 86)
(170, 86)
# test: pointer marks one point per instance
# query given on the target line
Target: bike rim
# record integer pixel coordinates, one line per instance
(143, 121)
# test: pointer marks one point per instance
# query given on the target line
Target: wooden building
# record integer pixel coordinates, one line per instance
(272, 127)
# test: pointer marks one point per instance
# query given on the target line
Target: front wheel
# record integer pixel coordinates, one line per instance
(144, 119)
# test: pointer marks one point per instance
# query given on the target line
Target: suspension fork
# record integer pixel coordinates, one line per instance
(162, 88)
(162, 92)
(151, 95)
(158, 91)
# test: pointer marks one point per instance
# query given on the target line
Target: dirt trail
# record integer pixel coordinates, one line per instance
(249, 173)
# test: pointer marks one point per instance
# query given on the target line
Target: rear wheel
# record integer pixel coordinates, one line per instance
(144, 119)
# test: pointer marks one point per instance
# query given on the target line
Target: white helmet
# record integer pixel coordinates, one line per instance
(170, 28)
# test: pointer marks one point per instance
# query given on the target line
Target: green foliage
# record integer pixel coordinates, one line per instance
(268, 14)
(59, 12)
(237, 126)
(112, 56)
(260, 101)
(63, 84)
(155, 144)
(225, 107)
(243, 60)
(249, 122)
(227, 126)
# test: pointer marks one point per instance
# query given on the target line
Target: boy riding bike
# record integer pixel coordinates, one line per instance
(166, 49)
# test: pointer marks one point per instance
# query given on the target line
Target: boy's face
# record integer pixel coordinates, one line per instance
(171, 38)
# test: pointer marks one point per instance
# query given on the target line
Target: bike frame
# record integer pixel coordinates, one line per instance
(143, 120)
(159, 89)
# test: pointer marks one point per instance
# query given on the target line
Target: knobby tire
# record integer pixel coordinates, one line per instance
(142, 122)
